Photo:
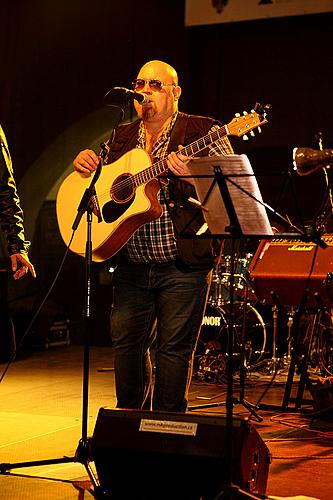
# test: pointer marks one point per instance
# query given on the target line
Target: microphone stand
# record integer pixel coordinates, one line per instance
(83, 453)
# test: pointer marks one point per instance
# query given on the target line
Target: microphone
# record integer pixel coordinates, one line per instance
(141, 98)
(123, 95)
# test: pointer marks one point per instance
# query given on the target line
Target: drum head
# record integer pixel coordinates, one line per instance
(212, 346)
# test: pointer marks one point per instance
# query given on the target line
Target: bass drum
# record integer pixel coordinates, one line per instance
(212, 346)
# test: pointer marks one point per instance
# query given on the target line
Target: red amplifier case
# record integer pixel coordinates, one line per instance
(283, 266)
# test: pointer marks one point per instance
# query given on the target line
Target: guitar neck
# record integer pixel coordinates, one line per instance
(161, 166)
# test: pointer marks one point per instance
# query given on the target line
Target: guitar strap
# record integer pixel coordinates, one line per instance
(178, 133)
(187, 129)
(177, 137)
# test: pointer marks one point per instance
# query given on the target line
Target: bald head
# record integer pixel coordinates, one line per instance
(166, 72)
(163, 100)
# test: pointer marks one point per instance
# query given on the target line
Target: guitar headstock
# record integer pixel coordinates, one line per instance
(242, 124)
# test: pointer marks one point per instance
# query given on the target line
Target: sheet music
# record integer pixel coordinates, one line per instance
(243, 190)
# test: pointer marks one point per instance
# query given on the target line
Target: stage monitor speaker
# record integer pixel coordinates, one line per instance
(288, 267)
(145, 455)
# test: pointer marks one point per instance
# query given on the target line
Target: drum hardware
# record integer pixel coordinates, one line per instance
(291, 313)
(242, 366)
(274, 357)
(309, 350)
(212, 366)
(219, 293)
(311, 353)
(211, 358)
(275, 364)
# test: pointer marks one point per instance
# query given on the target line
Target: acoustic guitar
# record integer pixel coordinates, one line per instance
(126, 192)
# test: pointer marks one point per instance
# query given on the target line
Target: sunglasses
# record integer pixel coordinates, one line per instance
(154, 85)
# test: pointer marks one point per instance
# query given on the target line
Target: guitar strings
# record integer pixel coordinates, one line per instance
(132, 181)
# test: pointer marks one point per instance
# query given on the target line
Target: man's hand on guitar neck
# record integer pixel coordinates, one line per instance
(86, 161)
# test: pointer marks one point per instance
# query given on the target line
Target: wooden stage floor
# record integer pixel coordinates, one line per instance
(41, 418)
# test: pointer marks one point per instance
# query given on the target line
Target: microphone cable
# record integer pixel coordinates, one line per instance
(35, 316)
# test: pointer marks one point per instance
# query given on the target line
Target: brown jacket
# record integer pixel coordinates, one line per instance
(194, 252)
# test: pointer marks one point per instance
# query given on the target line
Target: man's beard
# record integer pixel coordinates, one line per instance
(148, 113)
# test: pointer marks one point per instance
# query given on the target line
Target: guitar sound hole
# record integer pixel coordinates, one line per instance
(123, 188)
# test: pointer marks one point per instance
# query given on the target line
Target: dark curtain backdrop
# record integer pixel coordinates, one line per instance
(58, 59)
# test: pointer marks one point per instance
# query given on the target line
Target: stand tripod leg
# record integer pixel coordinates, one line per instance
(6, 467)
(251, 408)
(289, 383)
(296, 355)
(304, 376)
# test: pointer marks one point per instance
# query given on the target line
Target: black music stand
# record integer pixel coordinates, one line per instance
(232, 210)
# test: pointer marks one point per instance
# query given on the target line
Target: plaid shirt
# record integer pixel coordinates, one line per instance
(155, 241)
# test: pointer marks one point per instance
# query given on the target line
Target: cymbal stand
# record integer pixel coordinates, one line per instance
(274, 363)
(291, 313)
(242, 366)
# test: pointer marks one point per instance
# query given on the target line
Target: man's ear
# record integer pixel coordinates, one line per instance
(177, 92)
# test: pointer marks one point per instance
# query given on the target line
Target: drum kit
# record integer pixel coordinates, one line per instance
(256, 341)
(211, 352)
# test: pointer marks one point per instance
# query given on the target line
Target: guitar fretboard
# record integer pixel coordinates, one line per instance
(161, 166)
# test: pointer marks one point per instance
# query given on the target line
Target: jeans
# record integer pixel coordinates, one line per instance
(166, 300)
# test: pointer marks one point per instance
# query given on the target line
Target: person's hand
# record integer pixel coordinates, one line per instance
(21, 265)
(86, 161)
(177, 163)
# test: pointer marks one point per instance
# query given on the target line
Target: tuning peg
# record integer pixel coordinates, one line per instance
(237, 115)
(245, 138)
(252, 133)
(259, 130)
(244, 112)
